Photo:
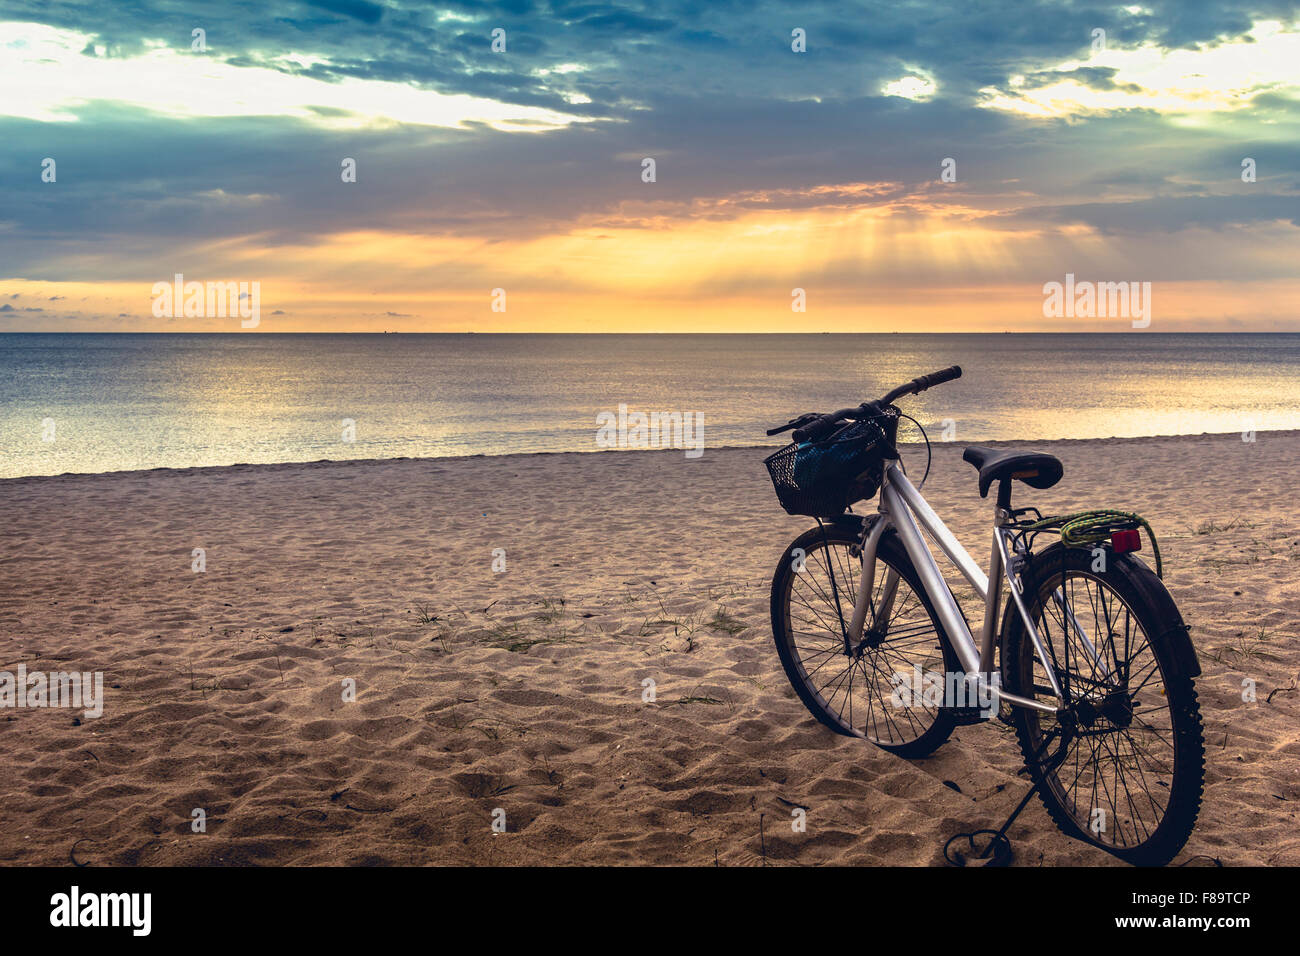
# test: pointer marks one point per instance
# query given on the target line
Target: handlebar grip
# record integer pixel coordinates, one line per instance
(816, 430)
(922, 382)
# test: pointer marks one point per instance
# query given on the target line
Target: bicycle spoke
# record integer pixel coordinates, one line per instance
(859, 690)
(1119, 769)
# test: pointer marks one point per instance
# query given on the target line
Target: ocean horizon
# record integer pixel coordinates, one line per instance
(100, 402)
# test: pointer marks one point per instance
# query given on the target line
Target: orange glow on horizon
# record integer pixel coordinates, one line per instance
(902, 264)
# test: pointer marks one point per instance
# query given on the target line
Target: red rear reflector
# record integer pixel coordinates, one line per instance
(1126, 541)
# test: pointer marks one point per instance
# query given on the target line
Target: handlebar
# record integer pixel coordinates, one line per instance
(922, 382)
(813, 427)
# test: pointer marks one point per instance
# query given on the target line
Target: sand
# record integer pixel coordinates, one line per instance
(478, 690)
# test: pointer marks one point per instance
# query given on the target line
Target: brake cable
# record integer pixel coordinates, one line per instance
(929, 455)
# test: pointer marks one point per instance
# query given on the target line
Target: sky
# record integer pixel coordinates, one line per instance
(915, 167)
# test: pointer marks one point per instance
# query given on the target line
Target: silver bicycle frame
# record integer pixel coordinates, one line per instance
(903, 509)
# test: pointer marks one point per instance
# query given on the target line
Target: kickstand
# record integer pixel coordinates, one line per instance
(997, 851)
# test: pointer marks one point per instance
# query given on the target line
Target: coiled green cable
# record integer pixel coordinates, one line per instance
(1088, 527)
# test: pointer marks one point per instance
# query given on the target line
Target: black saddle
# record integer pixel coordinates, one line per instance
(1033, 468)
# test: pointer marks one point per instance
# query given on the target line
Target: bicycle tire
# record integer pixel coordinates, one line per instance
(939, 721)
(1144, 602)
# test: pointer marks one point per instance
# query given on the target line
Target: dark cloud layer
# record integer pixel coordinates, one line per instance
(711, 90)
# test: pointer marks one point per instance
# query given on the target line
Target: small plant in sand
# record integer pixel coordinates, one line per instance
(684, 627)
(1214, 527)
(498, 632)
(510, 635)
(725, 622)
(525, 644)
(552, 611)
(358, 633)
(552, 775)
(424, 614)
(452, 718)
(694, 699)
(729, 589)
(203, 684)
(479, 785)
(557, 612)
(702, 695)
(207, 684)
(1244, 647)
(497, 729)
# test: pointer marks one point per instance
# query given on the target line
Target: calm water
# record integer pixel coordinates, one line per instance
(120, 402)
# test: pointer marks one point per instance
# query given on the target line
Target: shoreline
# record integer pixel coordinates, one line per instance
(1279, 433)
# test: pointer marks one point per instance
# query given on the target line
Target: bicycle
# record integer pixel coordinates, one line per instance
(1089, 659)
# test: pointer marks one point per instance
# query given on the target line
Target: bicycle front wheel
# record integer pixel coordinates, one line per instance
(869, 689)
(1125, 771)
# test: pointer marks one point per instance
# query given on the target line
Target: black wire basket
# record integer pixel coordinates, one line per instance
(821, 479)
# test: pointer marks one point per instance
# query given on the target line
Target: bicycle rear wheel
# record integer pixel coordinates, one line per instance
(1126, 772)
(857, 693)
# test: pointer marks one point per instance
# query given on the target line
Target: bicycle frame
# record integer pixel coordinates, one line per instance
(904, 509)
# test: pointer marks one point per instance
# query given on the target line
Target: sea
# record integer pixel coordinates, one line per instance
(90, 403)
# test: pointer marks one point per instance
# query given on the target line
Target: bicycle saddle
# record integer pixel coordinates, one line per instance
(1035, 469)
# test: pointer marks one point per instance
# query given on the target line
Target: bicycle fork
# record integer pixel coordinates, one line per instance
(862, 604)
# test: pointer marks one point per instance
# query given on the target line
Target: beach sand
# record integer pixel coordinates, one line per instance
(522, 690)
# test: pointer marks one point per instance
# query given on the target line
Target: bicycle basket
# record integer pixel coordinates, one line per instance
(821, 479)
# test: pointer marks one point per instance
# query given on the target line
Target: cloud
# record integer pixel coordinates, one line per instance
(357, 9)
(45, 78)
(626, 22)
(1170, 213)
(469, 150)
